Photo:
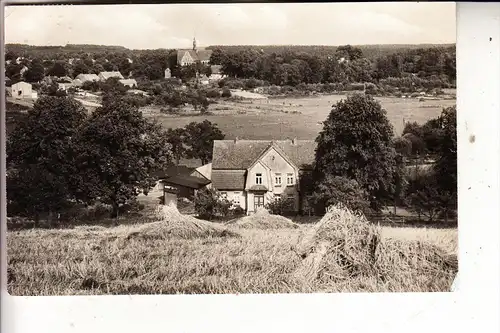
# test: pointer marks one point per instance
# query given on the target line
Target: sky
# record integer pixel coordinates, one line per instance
(175, 25)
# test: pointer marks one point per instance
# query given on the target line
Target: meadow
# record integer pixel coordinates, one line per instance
(94, 260)
(301, 118)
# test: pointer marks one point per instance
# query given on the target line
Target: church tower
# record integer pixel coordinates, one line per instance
(194, 44)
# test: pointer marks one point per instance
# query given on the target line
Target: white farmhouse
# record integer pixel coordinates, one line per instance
(252, 173)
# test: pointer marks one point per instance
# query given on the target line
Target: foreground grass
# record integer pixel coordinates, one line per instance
(97, 260)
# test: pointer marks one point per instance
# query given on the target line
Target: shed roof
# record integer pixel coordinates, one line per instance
(187, 181)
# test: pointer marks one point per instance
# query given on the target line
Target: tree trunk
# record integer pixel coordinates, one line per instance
(50, 218)
(36, 220)
(114, 213)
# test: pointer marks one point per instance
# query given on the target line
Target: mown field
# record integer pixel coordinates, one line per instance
(99, 260)
(298, 117)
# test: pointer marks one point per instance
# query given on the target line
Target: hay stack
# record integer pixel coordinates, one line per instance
(262, 219)
(344, 245)
(174, 224)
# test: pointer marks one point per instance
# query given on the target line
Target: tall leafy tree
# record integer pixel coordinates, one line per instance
(176, 138)
(118, 152)
(58, 69)
(35, 72)
(446, 164)
(356, 143)
(41, 155)
(200, 139)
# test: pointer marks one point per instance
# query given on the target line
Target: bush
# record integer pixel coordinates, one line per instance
(208, 204)
(237, 211)
(213, 93)
(335, 190)
(281, 206)
(226, 93)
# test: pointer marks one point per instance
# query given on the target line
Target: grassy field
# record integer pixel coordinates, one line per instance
(98, 260)
(298, 117)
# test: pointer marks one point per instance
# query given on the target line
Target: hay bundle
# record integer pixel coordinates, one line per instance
(174, 224)
(341, 245)
(345, 245)
(262, 219)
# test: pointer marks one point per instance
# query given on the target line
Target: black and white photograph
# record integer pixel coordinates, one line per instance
(243, 148)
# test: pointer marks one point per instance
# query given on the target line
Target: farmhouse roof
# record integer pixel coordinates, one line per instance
(228, 179)
(240, 154)
(107, 75)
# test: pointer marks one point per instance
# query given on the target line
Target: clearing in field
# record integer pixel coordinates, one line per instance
(299, 118)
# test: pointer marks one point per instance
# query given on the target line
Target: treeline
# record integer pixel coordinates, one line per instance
(369, 51)
(431, 67)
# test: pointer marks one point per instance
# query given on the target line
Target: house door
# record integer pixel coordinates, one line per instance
(258, 201)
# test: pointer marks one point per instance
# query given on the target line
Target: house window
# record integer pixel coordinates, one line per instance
(223, 194)
(289, 179)
(278, 179)
(258, 179)
(236, 198)
(277, 196)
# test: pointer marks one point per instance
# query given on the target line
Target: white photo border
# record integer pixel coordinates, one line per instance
(474, 306)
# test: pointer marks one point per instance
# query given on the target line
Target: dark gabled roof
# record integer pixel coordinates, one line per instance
(228, 179)
(240, 154)
(187, 181)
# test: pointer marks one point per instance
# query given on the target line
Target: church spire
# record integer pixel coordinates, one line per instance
(194, 43)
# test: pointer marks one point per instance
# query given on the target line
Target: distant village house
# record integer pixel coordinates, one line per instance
(23, 90)
(216, 73)
(168, 73)
(103, 76)
(131, 83)
(87, 77)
